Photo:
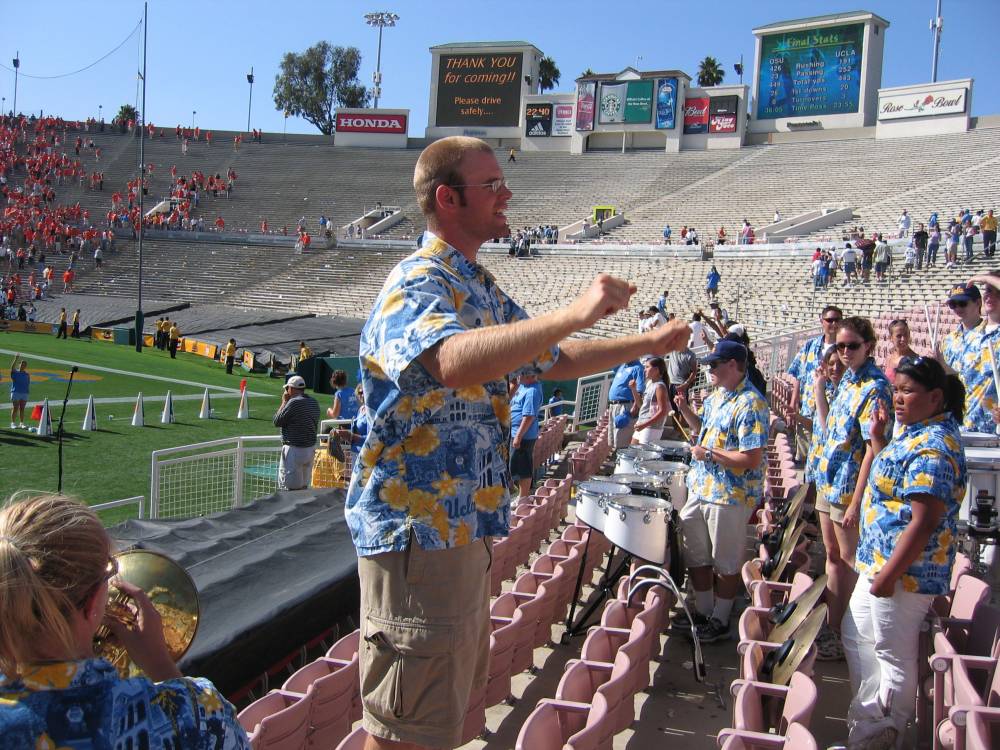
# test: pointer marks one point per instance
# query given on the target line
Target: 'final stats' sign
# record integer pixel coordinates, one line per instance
(479, 90)
(810, 73)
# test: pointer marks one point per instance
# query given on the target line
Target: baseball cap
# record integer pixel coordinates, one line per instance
(738, 329)
(296, 381)
(726, 350)
(963, 293)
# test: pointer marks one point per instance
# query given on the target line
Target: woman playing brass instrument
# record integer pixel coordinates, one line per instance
(56, 564)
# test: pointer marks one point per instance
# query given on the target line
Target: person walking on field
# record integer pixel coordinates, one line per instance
(76, 324)
(61, 333)
(229, 355)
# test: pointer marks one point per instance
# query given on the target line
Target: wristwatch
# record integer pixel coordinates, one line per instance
(710, 455)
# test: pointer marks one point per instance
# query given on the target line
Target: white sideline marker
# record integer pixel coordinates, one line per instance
(206, 406)
(139, 412)
(90, 416)
(44, 421)
(167, 416)
(244, 411)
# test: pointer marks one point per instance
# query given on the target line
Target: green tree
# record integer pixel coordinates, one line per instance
(709, 72)
(548, 74)
(125, 113)
(312, 84)
(588, 72)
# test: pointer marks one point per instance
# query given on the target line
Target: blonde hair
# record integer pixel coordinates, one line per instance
(439, 164)
(53, 552)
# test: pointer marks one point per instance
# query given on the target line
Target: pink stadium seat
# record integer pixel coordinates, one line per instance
(335, 689)
(546, 727)
(749, 709)
(968, 693)
(984, 728)
(797, 738)
(355, 740)
(501, 549)
(278, 721)
(346, 649)
(502, 643)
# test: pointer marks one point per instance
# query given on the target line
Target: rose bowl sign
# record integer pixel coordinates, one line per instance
(922, 104)
(376, 123)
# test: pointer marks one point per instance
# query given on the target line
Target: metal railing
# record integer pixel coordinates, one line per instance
(194, 480)
(591, 398)
(138, 500)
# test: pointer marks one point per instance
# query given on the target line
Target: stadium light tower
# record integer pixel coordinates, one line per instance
(937, 24)
(250, 102)
(381, 19)
(17, 64)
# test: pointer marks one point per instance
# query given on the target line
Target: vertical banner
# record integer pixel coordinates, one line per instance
(538, 119)
(666, 103)
(639, 102)
(723, 112)
(562, 120)
(613, 102)
(696, 115)
(585, 105)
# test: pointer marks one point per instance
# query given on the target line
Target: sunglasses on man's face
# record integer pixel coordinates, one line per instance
(832, 320)
(853, 346)
(952, 304)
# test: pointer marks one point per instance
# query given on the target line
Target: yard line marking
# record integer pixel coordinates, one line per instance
(220, 388)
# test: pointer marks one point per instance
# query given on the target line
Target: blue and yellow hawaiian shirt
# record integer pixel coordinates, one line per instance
(803, 369)
(435, 459)
(847, 430)
(85, 704)
(953, 345)
(977, 376)
(818, 438)
(734, 420)
(926, 459)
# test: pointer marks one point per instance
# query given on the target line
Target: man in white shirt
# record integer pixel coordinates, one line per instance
(849, 262)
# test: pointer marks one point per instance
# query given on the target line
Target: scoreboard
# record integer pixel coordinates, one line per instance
(810, 72)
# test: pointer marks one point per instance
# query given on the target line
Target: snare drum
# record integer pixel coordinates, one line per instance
(640, 525)
(670, 450)
(672, 475)
(980, 439)
(591, 499)
(629, 458)
(983, 465)
(641, 484)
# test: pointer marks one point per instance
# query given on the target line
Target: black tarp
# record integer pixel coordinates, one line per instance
(270, 577)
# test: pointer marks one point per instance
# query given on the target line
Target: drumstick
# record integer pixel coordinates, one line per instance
(673, 415)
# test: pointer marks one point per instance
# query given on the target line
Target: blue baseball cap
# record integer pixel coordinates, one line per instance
(726, 350)
(962, 293)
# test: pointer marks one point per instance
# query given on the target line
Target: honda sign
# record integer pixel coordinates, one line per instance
(374, 123)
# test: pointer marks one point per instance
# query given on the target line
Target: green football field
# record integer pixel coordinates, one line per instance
(114, 462)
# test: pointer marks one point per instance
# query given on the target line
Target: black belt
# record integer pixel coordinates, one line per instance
(619, 403)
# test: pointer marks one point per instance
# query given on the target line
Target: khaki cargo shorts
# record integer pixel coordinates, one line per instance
(425, 629)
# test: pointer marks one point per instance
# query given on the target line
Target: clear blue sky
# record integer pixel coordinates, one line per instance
(199, 52)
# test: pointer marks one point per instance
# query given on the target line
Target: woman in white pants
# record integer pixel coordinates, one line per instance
(906, 550)
(655, 402)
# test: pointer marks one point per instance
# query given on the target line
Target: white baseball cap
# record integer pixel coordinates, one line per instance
(296, 381)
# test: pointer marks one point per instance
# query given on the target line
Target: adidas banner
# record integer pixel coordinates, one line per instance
(537, 120)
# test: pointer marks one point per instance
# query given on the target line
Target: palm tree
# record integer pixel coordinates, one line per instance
(588, 72)
(710, 73)
(548, 74)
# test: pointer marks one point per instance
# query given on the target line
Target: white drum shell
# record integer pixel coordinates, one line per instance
(980, 439)
(591, 497)
(639, 524)
(629, 458)
(674, 477)
(983, 466)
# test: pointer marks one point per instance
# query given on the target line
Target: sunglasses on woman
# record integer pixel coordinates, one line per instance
(853, 346)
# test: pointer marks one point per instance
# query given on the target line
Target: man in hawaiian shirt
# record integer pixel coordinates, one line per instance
(804, 366)
(724, 485)
(429, 489)
(967, 304)
(981, 357)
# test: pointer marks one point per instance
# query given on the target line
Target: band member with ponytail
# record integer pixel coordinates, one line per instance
(907, 546)
(56, 563)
